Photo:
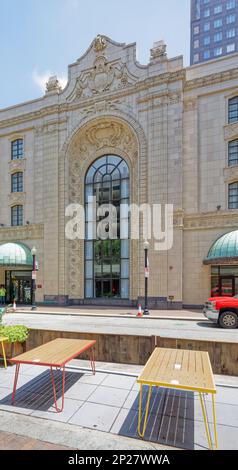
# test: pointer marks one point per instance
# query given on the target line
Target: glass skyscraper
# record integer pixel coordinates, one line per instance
(214, 29)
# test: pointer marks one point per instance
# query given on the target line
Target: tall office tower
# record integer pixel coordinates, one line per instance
(214, 29)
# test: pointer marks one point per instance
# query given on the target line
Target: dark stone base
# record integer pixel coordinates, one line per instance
(160, 303)
(154, 303)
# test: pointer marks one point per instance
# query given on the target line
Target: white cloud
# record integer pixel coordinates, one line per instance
(41, 78)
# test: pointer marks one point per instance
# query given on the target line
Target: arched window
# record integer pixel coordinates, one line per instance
(17, 150)
(233, 195)
(17, 215)
(106, 259)
(17, 182)
(233, 110)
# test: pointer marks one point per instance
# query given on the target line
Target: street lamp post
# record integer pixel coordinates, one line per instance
(146, 248)
(33, 280)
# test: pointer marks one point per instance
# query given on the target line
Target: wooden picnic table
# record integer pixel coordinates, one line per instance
(55, 354)
(182, 370)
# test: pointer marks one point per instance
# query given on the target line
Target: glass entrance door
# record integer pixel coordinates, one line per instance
(18, 286)
(227, 286)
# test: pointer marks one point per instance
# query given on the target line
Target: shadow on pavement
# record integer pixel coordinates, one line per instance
(37, 394)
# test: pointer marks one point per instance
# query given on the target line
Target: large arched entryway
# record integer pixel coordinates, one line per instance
(107, 253)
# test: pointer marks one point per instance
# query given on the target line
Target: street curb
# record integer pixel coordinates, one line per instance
(132, 316)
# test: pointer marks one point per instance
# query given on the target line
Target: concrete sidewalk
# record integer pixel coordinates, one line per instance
(101, 411)
(112, 312)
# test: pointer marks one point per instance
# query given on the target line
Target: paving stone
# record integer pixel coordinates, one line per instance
(80, 391)
(109, 396)
(119, 381)
(70, 408)
(89, 378)
(95, 416)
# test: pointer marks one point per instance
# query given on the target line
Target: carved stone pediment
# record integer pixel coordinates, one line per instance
(102, 77)
(231, 131)
(231, 174)
(17, 165)
(17, 198)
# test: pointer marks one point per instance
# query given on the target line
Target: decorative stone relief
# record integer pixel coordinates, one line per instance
(158, 52)
(29, 232)
(211, 220)
(231, 174)
(190, 104)
(231, 131)
(53, 85)
(103, 76)
(17, 165)
(17, 199)
(100, 43)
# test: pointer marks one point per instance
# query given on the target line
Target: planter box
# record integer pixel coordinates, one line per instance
(13, 349)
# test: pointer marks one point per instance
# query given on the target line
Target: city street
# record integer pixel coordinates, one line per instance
(199, 329)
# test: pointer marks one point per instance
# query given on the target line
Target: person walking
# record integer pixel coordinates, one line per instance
(2, 294)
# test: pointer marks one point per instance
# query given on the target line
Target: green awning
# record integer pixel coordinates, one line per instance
(224, 250)
(15, 254)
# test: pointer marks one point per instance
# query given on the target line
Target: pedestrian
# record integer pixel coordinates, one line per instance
(2, 294)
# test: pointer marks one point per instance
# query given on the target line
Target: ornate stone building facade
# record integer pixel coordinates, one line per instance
(169, 125)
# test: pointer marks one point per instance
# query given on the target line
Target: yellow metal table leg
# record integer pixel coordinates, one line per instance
(214, 420)
(4, 355)
(141, 434)
(205, 421)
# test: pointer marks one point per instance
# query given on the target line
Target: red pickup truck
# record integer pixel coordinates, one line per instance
(223, 311)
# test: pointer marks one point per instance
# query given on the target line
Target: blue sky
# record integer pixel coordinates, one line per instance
(39, 38)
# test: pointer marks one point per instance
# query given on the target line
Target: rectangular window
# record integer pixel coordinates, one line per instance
(233, 153)
(206, 2)
(207, 13)
(218, 23)
(17, 216)
(217, 37)
(230, 19)
(196, 58)
(17, 182)
(17, 149)
(206, 27)
(231, 4)
(207, 55)
(206, 41)
(233, 110)
(233, 196)
(196, 44)
(231, 33)
(217, 9)
(196, 30)
(217, 51)
(230, 48)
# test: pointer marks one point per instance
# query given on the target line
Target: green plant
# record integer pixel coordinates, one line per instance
(14, 333)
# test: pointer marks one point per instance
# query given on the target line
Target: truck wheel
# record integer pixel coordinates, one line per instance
(228, 320)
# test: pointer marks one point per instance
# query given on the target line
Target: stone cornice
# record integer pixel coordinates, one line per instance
(211, 220)
(140, 86)
(26, 232)
(212, 79)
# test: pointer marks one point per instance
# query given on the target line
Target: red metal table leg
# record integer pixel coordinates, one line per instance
(92, 360)
(15, 382)
(54, 389)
